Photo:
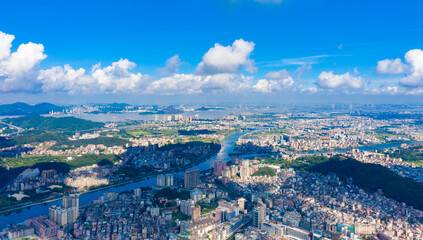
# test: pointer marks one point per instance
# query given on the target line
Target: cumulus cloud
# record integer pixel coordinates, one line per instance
(172, 66)
(195, 84)
(391, 66)
(415, 77)
(230, 59)
(274, 82)
(328, 80)
(115, 78)
(5, 44)
(18, 70)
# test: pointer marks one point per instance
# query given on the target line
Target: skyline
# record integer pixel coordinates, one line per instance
(349, 52)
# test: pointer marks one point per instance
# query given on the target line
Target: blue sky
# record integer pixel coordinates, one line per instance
(316, 36)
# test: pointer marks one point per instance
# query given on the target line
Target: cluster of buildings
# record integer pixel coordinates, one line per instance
(67, 213)
(405, 169)
(89, 176)
(157, 158)
(165, 180)
(44, 149)
(32, 179)
(44, 227)
(128, 215)
(325, 207)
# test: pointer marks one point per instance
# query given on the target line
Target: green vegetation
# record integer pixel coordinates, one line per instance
(26, 161)
(105, 162)
(408, 154)
(20, 108)
(172, 194)
(62, 141)
(121, 134)
(205, 140)
(145, 132)
(38, 136)
(207, 207)
(7, 175)
(6, 201)
(195, 132)
(90, 159)
(5, 142)
(265, 171)
(107, 141)
(179, 215)
(301, 163)
(66, 124)
(128, 172)
(76, 162)
(372, 177)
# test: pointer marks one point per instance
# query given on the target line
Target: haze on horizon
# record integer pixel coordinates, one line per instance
(241, 51)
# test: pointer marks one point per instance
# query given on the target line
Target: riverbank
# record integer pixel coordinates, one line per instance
(88, 197)
(18, 207)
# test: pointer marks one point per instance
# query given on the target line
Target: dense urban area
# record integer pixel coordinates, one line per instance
(120, 171)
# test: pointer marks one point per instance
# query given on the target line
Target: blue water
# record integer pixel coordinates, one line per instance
(42, 209)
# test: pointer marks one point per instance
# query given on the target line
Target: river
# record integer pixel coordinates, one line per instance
(227, 147)
(42, 209)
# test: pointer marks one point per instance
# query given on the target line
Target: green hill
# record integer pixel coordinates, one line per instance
(53, 124)
(20, 108)
(371, 177)
(5, 142)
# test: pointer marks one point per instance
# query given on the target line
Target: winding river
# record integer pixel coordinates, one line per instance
(42, 209)
(227, 147)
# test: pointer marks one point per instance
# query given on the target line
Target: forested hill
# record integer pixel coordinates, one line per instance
(53, 124)
(19, 108)
(371, 177)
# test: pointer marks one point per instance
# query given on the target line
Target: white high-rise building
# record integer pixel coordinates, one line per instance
(259, 215)
(161, 180)
(71, 201)
(169, 180)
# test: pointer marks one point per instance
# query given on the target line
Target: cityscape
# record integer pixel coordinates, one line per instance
(211, 120)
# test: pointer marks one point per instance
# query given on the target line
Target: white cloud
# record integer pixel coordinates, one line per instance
(195, 84)
(229, 59)
(115, 78)
(415, 77)
(5, 44)
(391, 66)
(268, 86)
(274, 82)
(172, 66)
(277, 74)
(18, 70)
(328, 80)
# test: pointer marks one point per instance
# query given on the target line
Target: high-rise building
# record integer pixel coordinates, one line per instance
(72, 214)
(63, 216)
(241, 204)
(259, 215)
(53, 212)
(66, 214)
(219, 166)
(71, 201)
(165, 180)
(161, 180)
(234, 170)
(192, 179)
(169, 180)
(137, 192)
(195, 212)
